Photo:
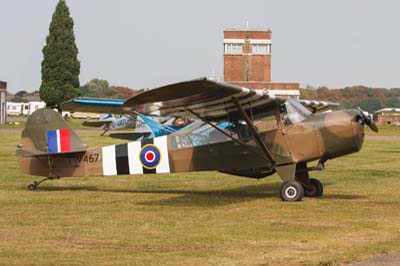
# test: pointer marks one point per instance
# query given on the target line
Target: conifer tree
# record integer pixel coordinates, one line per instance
(60, 65)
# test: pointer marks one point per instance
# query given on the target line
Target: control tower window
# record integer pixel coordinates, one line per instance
(262, 49)
(233, 48)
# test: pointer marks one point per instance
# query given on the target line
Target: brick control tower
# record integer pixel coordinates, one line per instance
(247, 61)
(247, 55)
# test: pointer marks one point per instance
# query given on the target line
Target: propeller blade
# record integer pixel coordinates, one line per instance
(374, 127)
(368, 120)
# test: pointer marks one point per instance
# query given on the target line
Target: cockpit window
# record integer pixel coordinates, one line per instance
(296, 112)
(197, 134)
(200, 133)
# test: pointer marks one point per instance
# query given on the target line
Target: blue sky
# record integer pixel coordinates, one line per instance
(150, 43)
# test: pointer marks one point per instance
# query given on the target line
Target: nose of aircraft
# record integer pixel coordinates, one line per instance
(342, 132)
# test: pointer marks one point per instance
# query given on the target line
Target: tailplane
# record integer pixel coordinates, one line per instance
(46, 132)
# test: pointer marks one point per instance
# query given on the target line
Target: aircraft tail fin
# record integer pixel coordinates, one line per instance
(46, 132)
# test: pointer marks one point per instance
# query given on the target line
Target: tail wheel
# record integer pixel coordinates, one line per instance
(317, 189)
(291, 191)
(32, 186)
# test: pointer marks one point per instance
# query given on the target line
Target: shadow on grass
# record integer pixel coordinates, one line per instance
(187, 197)
(212, 198)
(343, 196)
(69, 188)
(395, 151)
(198, 198)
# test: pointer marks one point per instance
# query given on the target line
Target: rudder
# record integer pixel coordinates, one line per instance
(47, 132)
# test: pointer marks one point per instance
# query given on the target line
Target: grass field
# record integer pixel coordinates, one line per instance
(200, 218)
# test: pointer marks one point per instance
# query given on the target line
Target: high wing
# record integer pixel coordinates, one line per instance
(209, 99)
(206, 98)
(94, 105)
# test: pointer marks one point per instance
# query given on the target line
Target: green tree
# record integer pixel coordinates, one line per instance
(21, 93)
(60, 65)
(96, 88)
(100, 88)
(371, 104)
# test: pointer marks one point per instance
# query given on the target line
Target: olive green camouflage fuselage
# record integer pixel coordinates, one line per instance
(319, 136)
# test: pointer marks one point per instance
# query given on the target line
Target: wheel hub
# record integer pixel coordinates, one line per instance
(291, 192)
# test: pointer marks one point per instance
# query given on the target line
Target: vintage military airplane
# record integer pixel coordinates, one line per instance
(293, 138)
(109, 122)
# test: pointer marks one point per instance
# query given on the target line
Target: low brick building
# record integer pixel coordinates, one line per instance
(387, 116)
(3, 110)
(247, 61)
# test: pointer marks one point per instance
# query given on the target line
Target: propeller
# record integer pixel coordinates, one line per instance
(368, 120)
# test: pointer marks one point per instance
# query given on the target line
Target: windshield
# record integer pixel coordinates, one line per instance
(296, 112)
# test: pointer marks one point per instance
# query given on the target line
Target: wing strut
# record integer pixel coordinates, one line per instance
(254, 131)
(229, 136)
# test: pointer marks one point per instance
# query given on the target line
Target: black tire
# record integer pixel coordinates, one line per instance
(291, 191)
(317, 189)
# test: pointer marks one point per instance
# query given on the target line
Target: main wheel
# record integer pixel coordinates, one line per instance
(291, 191)
(317, 189)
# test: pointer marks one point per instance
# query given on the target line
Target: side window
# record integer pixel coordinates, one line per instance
(199, 136)
(262, 49)
(267, 123)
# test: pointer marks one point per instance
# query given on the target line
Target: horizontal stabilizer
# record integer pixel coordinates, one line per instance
(130, 135)
(26, 153)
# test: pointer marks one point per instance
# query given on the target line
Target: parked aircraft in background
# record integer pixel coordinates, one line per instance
(109, 122)
(294, 138)
(143, 126)
(387, 116)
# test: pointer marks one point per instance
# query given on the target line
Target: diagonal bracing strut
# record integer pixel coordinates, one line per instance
(254, 131)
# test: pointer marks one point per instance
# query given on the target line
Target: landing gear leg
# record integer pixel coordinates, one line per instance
(312, 187)
(35, 184)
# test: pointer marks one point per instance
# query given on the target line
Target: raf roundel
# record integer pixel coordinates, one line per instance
(150, 156)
